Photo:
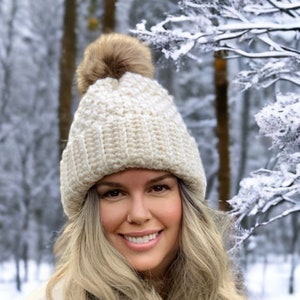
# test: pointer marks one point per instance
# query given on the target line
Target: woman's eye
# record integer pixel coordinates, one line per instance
(160, 188)
(111, 194)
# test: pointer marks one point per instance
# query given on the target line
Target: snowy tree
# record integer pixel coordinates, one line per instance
(266, 34)
(29, 189)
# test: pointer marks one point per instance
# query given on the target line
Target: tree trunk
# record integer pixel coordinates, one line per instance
(6, 69)
(25, 260)
(244, 140)
(108, 23)
(294, 252)
(221, 86)
(67, 68)
(17, 265)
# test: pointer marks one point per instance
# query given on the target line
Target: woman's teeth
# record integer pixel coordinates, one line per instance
(141, 239)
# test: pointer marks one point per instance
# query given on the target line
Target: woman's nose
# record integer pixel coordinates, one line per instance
(139, 211)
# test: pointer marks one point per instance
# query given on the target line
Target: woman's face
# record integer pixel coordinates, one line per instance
(141, 211)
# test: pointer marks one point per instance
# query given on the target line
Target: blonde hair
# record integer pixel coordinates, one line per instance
(90, 268)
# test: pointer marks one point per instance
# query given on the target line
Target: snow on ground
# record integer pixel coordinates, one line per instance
(268, 282)
(271, 281)
(7, 284)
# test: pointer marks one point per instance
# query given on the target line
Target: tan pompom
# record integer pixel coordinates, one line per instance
(112, 55)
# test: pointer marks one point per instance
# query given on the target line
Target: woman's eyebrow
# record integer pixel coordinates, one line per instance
(118, 185)
(160, 178)
(109, 184)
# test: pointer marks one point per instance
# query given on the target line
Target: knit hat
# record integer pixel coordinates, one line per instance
(125, 119)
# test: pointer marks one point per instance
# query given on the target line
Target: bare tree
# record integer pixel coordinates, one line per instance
(7, 23)
(67, 69)
(222, 116)
(109, 16)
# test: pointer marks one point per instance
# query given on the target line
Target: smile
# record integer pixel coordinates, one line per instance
(141, 239)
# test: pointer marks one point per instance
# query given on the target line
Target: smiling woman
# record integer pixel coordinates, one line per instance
(140, 211)
(133, 188)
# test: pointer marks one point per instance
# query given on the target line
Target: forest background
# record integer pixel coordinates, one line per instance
(233, 68)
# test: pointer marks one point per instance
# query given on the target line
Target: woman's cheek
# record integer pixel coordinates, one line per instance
(111, 215)
(171, 210)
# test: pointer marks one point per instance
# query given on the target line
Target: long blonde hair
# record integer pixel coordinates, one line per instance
(90, 268)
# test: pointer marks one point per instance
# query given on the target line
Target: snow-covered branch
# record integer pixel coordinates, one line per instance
(247, 30)
(266, 188)
(266, 54)
(281, 121)
(285, 6)
(265, 34)
(246, 234)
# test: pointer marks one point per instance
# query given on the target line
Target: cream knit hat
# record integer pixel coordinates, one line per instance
(124, 120)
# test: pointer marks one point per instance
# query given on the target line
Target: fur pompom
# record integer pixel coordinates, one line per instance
(112, 55)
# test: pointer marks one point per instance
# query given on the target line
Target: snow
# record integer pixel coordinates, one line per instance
(274, 284)
(264, 282)
(7, 284)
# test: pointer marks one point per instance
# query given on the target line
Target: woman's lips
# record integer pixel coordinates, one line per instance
(141, 241)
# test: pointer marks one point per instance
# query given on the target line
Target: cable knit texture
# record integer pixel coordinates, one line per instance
(131, 122)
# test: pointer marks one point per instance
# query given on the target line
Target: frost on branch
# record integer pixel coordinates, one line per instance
(269, 195)
(264, 73)
(281, 121)
(257, 30)
(268, 188)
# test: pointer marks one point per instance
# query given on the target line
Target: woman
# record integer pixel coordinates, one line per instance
(132, 187)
